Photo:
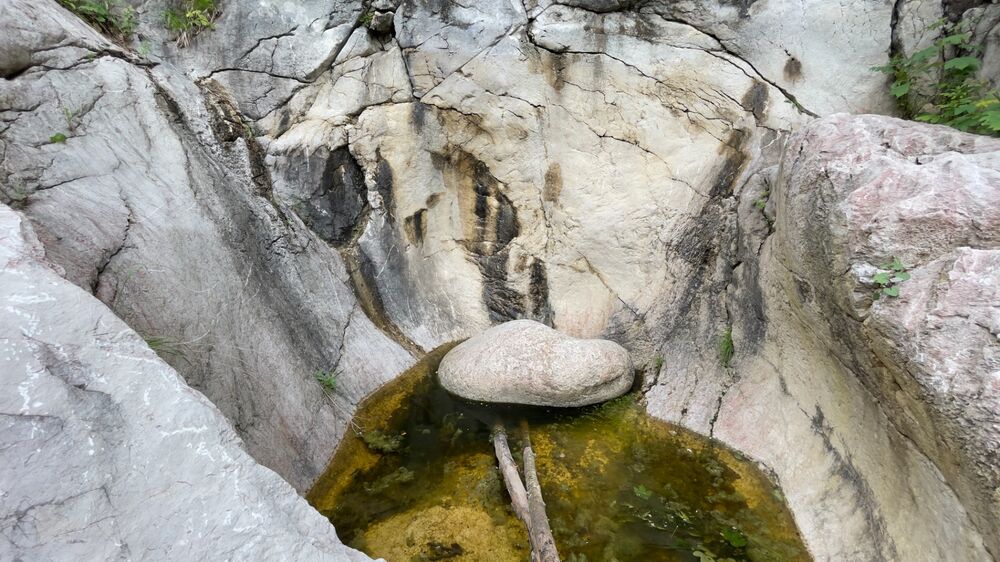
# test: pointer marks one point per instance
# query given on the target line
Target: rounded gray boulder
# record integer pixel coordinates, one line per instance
(524, 362)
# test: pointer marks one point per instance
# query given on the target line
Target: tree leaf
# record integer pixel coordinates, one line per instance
(881, 278)
(900, 89)
(925, 54)
(956, 39)
(891, 292)
(962, 63)
(900, 277)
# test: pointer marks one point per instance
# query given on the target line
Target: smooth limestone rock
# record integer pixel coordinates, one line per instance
(878, 418)
(377, 196)
(524, 362)
(106, 453)
(158, 203)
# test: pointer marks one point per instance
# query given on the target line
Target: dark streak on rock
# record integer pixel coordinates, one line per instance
(732, 166)
(793, 69)
(415, 227)
(755, 100)
(335, 209)
(845, 469)
(538, 292)
(553, 183)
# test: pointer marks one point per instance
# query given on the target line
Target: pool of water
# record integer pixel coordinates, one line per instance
(416, 479)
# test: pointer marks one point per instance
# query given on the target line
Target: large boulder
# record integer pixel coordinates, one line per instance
(524, 362)
(854, 194)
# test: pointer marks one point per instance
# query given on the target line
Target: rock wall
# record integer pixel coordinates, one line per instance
(864, 409)
(293, 192)
(106, 453)
(159, 203)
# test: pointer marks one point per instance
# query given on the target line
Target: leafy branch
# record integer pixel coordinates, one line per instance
(956, 96)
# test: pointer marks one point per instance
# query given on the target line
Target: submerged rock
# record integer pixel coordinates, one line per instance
(524, 362)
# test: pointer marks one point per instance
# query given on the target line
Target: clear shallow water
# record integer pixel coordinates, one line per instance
(417, 480)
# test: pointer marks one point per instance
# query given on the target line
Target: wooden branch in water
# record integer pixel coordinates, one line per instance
(511, 479)
(527, 503)
(543, 545)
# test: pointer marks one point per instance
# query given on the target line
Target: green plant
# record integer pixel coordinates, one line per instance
(658, 363)
(327, 379)
(382, 442)
(642, 492)
(890, 277)
(734, 537)
(955, 96)
(112, 17)
(366, 17)
(69, 116)
(13, 193)
(58, 138)
(162, 345)
(726, 348)
(190, 18)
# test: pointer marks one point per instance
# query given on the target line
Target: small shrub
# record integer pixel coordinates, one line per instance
(889, 279)
(726, 347)
(327, 379)
(59, 138)
(958, 98)
(112, 17)
(190, 18)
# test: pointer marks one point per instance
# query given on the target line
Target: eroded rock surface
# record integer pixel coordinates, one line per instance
(524, 362)
(159, 203)
(294, 192)
(873, 189)
(883, 401)
(106, 453)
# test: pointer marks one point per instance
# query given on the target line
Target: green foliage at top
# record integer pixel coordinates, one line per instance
(957, 98)
(191, 17)
(726, 347)
(114, 18)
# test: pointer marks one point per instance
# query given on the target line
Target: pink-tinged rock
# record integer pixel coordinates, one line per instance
(856, 192)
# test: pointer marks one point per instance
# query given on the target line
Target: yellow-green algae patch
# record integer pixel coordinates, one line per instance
(619, 485)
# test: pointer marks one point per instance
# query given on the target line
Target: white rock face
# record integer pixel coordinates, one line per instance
(292, 193)
(856, 404)
(157, 204)
(524, 362)
(873, 189)
(107, 454)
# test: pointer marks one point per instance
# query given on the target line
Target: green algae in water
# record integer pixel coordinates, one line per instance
(619, 485)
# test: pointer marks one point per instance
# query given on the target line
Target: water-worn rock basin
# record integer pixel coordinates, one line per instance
(417, 480)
